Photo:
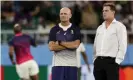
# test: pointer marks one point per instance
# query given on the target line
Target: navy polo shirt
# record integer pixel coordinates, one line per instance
(58, 34)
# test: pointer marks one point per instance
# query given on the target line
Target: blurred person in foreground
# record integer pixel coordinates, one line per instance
(109, 46)
(81, 51)
(64, 39)
(26, 67)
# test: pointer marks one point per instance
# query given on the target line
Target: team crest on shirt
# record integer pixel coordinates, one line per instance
(58, 32)
(72, 32)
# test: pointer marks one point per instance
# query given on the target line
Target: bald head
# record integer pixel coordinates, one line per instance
(65, 14)
(17, 28)
(65, 9)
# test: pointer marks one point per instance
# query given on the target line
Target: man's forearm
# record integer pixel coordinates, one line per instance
(85, 58)
(71, 45)
(56, 47)
(11, 56)
(86, 61)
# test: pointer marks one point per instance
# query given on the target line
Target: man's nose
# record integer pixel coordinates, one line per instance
(104, 12)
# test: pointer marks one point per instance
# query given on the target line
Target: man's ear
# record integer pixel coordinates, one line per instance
(70, 15)
(114, 12)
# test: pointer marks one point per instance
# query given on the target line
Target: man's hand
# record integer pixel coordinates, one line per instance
(57, 42)
(88, 68)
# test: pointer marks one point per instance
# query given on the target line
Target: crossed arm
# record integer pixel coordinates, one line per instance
(56, 46)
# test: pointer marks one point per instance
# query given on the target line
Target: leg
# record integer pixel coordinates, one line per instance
(112, 70)
(99, 72)
(35, 77)
(79, 73)
(33, 70)
(71, 73)
(58, 73)
(22, 71)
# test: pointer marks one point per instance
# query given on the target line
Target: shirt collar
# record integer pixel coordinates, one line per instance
(18, 34)
(112, 21)
(65, 27)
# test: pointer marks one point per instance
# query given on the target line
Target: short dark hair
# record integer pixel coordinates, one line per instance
(111, 5)
(17, 28)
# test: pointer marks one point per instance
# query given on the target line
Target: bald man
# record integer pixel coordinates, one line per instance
(64, 39)
(26, 67)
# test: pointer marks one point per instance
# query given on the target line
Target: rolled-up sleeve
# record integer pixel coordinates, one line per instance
(122, 41)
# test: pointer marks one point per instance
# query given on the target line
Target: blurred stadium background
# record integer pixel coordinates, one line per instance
(38, 17)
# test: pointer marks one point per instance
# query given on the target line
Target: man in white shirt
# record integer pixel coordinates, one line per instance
(81, 50)
(109, 46)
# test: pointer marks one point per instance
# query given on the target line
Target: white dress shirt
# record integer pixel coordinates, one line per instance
(80, 49)
(111, 41)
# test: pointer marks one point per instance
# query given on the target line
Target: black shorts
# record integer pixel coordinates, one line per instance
(64, 73)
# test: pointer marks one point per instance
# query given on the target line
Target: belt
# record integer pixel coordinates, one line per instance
(105, 57)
